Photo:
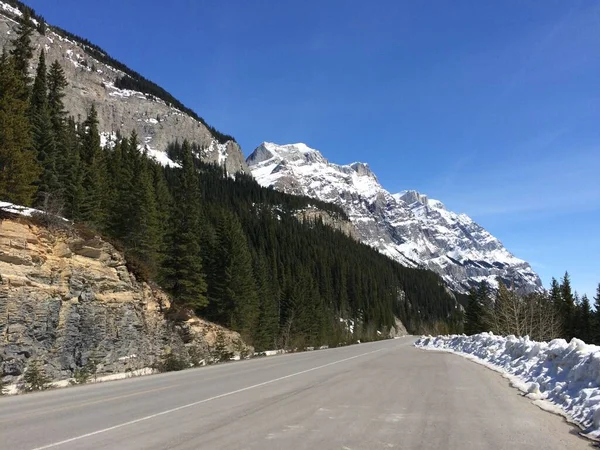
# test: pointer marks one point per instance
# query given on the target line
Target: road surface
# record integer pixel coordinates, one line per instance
(384, 395)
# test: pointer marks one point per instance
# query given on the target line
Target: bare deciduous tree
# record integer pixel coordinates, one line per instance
(530, 315)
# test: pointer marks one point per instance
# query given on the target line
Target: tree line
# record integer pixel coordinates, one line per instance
(221, 245)
(556, 313)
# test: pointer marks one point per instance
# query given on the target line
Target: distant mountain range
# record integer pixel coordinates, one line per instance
(407, 226)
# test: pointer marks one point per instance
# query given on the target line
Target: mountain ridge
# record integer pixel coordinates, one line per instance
(124, 99)
(407, 226)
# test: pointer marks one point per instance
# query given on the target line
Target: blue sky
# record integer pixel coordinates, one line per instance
(493, 108)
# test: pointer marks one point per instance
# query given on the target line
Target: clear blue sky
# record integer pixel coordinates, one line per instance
(492, 108)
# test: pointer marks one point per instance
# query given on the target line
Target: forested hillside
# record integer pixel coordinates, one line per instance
(224, 247)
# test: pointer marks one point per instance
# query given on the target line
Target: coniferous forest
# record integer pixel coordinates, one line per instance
(219, 244)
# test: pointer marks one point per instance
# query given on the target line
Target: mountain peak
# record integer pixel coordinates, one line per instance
(408, 226)
(363, 169)
(298, 154)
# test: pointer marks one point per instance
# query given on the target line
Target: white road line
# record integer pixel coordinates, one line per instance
(189, 405)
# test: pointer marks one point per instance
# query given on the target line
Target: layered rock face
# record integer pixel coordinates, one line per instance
(67, 300)
(408, 227)
(92, 82)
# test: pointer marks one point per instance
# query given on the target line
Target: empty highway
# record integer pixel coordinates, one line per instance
(384, 395)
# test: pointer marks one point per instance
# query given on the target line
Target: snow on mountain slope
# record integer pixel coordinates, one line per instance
(408, 227)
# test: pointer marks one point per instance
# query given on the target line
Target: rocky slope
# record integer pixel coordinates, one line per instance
(66, 300)
(408, 226)
(93, 82)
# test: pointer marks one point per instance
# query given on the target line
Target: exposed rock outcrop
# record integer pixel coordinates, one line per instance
(312, 215)
(66, 300)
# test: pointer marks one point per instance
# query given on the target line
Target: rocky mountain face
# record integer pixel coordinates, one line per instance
(408, 226)
(67, 299)
(93, 82)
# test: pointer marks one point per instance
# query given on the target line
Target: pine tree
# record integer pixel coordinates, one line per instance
(567, 306)
(265, 336)
(64, 146)
(22, 51)
(44, 142)
(18, 166)
(474, 314)
(183, 273)
(144, 237)
(584, 320)
(94, 175)
(71, 172)
(596, 318)
(236, 299)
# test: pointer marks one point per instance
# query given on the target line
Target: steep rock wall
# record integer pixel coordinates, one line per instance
(66, 300)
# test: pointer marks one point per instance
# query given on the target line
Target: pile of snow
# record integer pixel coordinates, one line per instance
(560, 377)
(25, 211)
(17, 209)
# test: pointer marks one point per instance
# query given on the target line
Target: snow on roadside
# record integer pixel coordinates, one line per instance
(560, 377)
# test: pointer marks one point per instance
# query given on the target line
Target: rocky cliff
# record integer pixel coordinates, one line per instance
(93, 82)
(67, 300)
(408, 227)
(313, 214)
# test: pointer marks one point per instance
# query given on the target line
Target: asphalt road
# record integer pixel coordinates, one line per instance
(385, 395)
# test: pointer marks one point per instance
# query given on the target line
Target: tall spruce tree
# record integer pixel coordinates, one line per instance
(22, 51)
(567, 307)
(583, 327)
(144, 238)
(63, 159)
(236, 298)
(474, 314)
(596, 317)
(19, 169)
(92, 209)
(183, 273)
(71, 171)
(44, 142)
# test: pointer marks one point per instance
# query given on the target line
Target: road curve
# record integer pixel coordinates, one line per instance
(384, 395)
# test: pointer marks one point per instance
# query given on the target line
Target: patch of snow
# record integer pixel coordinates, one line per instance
(10, 9)
(160, 157)
(17, 209)
(22, 210)
(560, 376)
(108, 139)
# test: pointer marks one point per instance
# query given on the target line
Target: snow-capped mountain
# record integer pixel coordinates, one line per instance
(407, 226)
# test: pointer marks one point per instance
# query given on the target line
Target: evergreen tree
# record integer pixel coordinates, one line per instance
(57, 82)
(144, 238)
(71, 171)
(183, 273)
(92, 209)
(474, 314)
(567, 307)
(18, 166)
(43, 135)
(64, 146)
(265, 336)
(596, 318)
(22, 51)
(235, 298)
(583, 327)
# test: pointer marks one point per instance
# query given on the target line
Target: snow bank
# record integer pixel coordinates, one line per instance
(561, 377)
